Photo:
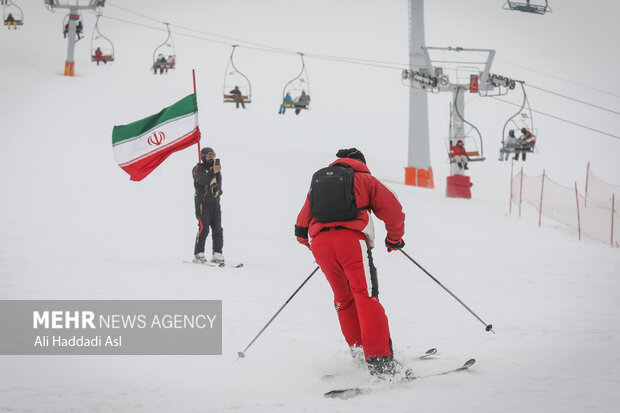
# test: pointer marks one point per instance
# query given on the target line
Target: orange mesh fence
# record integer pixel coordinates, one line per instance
(595, 215)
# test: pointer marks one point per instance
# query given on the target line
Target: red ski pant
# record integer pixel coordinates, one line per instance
(343, 256)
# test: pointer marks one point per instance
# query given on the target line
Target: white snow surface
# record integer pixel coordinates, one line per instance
(72, 225)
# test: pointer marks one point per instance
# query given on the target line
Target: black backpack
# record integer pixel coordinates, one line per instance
(332, 194)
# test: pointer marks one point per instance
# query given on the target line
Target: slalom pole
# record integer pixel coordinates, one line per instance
(241, 354)
(196, 93)
(488, 327)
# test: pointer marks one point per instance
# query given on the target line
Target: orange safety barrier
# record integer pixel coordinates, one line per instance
(69, 68)
(419, 177)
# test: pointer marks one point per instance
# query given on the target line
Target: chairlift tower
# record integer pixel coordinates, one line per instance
(418, 171)
(477, 79)
(74, 16)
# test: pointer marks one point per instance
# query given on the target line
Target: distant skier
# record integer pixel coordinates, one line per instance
(459, 154)
(208, 186)
(341, 244)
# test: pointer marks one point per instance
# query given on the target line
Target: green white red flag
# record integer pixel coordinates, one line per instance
(141, 146)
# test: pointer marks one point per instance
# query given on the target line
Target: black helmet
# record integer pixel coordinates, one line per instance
(523, 130)
(204, 151)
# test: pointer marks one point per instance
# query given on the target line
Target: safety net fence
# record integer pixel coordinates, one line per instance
(593, 213)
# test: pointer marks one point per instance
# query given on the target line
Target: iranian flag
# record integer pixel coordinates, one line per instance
(141, 146)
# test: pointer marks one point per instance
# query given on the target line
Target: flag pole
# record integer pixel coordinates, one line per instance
(195, 93)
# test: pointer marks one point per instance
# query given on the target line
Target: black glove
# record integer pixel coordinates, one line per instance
(394, 245)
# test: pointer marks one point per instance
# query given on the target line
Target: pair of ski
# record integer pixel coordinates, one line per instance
(217, 264)
(356, 391)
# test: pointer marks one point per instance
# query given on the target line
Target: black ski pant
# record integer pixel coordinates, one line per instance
(209, 215)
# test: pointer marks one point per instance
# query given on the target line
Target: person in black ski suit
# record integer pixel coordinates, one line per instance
(208, 186)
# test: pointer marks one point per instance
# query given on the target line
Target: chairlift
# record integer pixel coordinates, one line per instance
(99, 42)
(298, 89)
(12, 15)
(521, 120)
(234, 78)
(536, 7)
(473, 146)
(160, 61)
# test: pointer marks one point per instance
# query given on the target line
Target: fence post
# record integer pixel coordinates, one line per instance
(578, 218)
(613, 207)
(585, 201)
(520, 192)
(542, 187)
(512, 162)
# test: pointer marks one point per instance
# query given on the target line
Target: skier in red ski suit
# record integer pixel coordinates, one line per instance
(343, 251)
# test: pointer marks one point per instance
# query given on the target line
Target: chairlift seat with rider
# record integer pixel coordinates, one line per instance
(232, 99)
(536, 7)
(12, 15)
(165, 49)
(298, 89)
(472, 155)
(234, 78)
(99, 41)
(515, 145)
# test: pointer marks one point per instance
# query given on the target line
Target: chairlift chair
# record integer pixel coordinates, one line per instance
(106, 46)
(168, 51)
(234, 78)
(12, 15)
(522, 119)
(299, 90)
(474, 152)
(536, 7)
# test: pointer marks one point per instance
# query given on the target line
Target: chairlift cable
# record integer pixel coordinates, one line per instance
(558, 78)
(364, 62)
(561, 119)
(260, 47)
(573, 99)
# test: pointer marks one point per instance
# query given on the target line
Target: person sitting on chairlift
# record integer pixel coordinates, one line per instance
(170, 62)
(99, 56)
(237, 97)
(459, 154)
(526, 143)
(302, 102)
(286, 102)
(160, 64)
(78, 29)
(511, 144)
(65, 31)
(10, 20)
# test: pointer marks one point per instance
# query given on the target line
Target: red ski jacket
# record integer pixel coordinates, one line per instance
(457, 150)
(369, 192)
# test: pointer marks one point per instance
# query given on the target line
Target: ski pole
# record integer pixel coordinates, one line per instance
(488, 327)
(241, 354)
